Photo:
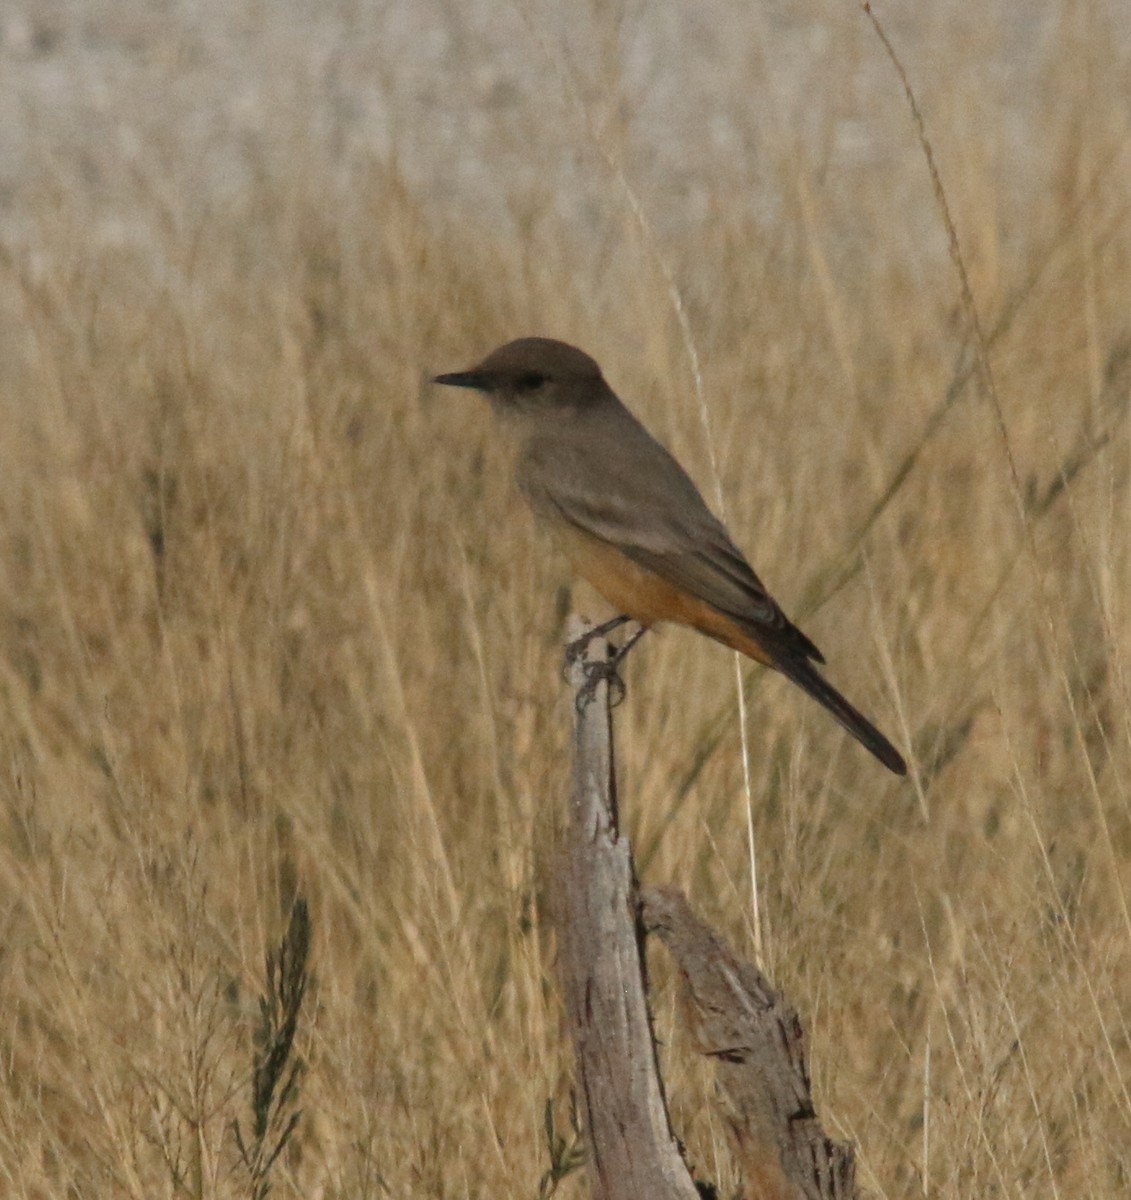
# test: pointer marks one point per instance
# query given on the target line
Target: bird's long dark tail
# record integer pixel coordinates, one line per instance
(806, 676)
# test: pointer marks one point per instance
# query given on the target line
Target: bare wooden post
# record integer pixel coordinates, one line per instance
(739, 1019)
(735, 1014)
(632, 1152)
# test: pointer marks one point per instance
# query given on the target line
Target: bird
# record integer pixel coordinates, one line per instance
(634, 524)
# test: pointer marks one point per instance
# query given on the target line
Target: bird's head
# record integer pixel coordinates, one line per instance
(533, 375)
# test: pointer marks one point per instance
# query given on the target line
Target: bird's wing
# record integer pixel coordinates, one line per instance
(641, 501)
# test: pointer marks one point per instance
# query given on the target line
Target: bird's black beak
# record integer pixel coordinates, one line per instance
(481, 381)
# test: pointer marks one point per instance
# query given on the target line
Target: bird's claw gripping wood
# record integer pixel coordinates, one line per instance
(607, 670)
(576, 650)
(597, 673)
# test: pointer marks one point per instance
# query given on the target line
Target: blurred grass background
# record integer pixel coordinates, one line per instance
(271, 622)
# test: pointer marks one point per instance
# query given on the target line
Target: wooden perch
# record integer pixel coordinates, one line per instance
(632, 1153)
(745, 1024)
(737, 1017)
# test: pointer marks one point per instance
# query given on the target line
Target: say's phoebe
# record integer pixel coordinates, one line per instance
(632, 521)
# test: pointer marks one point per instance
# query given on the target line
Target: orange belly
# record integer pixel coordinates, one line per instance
(646, 597)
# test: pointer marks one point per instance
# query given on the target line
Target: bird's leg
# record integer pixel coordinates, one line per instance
(622, 653)
(608, 671)
(576, 649)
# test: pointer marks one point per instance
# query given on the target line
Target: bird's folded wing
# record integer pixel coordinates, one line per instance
(649, 509)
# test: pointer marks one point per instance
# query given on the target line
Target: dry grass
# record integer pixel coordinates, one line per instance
(271, 625)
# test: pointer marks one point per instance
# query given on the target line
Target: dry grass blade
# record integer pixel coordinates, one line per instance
(277, 1069)
(566, 1154)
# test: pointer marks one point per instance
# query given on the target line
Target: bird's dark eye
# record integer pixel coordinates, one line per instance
(530, 381)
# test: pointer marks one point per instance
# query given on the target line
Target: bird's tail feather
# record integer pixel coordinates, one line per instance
(806, 676)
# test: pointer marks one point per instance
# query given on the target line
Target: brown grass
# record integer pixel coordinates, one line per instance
(272, 625)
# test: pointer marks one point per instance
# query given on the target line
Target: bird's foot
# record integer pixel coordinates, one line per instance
(576, 650)
(597, 673)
